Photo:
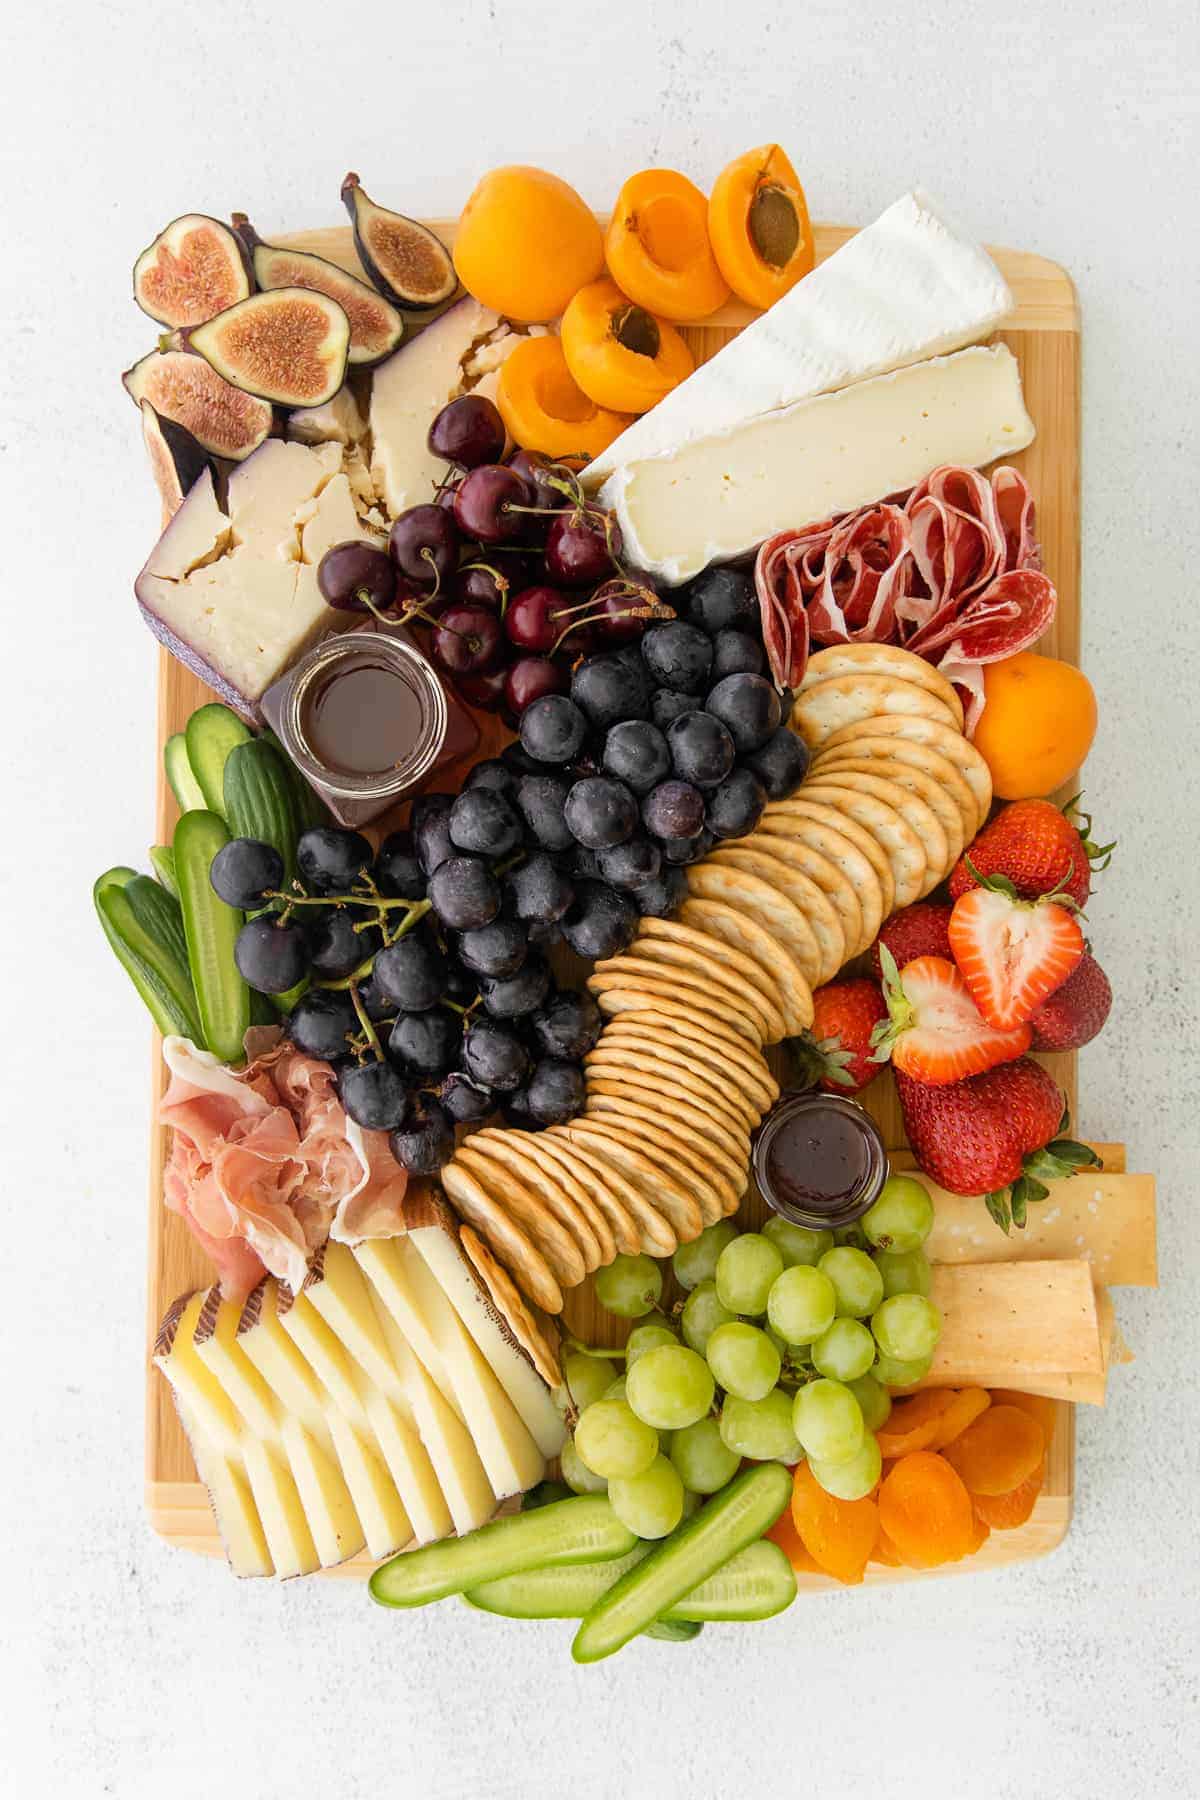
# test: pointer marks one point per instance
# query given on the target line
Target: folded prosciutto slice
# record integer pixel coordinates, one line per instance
(265, 1166)
(950, 571)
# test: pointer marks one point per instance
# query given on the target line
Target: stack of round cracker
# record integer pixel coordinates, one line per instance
(677, 1083)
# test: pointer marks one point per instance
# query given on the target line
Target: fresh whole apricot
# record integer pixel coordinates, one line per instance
(526, 242)
(620, 354)
(658, 250)
(758, 226)
(1037, 725)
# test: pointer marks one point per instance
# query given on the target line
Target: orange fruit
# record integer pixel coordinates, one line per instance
(526, 242)
(1037, 725)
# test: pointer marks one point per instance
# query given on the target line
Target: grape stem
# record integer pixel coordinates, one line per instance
(597, 1350)
(364, 1020)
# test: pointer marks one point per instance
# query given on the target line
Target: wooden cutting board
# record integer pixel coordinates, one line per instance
(1043, 334)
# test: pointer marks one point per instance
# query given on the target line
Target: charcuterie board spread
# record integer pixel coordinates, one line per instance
(621, 923)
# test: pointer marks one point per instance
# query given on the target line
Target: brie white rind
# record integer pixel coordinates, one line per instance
(719, 497)
(908, 287)
(234, 594)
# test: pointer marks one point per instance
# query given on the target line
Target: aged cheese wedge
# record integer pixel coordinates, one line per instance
(460, 1473)
(1006, 1324)
(718, 497)
(904, 288)
(238, 1523)
(280, 1508)
(408, 390)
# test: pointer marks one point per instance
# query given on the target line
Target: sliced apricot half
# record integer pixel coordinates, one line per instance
(657, 247)
(620, 354)
(544, 407)
(758, 226)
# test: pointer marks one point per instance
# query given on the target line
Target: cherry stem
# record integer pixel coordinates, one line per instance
(364, 1020)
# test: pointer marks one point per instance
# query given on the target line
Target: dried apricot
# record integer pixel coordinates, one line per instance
(886, 1552)
(982, 1532)
(544, 408)
(1038, 1406)
(926, 1511)
(657, 246)
(620, 354)
(783, 1532)
(1004, 1512)
(526, 242)
(997, 1452)
(758, 226)
(967, 1406)
(838, 1534)
(913, 1424)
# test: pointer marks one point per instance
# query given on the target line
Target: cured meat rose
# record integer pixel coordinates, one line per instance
(950, 571)
(265, 1166)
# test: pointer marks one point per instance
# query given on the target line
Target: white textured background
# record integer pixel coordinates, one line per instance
(133, 1670)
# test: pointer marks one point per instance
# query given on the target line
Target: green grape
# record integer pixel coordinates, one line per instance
(576, 1473)
(907, 1327)
(904, 1272)
(650, 1504)
(744, 1361)
(586, 1377)
(852, 1479)
(702, 1313)
(761, 1429)
(745, 1271)
(796, 1243)
(697, 1261)
(856, 1280)
(875, 1401)
(828, 1420)
(646, 1337)
(802, 1304)
(615, 1389)
(612, 1440)
(629, 1286)
(894, 1373)
(902, 1217)
(705, 1462)
(670, 1386)
(845, 1351)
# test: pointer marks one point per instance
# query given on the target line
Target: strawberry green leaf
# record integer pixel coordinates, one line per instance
(997, 1205)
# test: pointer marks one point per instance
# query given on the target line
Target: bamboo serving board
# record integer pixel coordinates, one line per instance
(1043, 334)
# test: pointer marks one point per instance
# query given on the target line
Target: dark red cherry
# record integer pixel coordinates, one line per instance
(485, 692)
(468, 432)
(529, 678)
(581, 548)
(621, 610)
(485, 501)
(357, 577)
(424, 543)
(536, 618)
(468, 640)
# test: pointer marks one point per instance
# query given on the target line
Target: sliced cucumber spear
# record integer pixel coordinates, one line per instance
(211, 929)
(184, 786)
(729, 1522)
(755, 1584)
(673, 1631)
(584, 1529)
(258, 801)
(155, 960)
(162, 861)
(211, 733)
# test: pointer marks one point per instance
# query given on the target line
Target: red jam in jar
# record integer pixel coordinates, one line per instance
(819, 1160)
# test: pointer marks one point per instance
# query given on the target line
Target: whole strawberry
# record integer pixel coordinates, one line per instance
(1039, 847)
(836, 1053)
(994, 1134)
(1076, 1012)
(920, 930)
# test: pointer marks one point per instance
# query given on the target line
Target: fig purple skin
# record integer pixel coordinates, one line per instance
(376, 328)
(405, 261)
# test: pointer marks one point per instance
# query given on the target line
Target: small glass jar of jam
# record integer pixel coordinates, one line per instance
(819, 1160)
(366, 720)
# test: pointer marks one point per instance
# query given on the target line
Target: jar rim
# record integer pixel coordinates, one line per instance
(413, 667)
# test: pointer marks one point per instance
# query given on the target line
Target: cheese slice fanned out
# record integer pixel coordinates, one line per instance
(908, 287)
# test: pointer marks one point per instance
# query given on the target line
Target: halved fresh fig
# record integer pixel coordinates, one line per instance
(289, 346)
(195, 268)
(177, 461)
(223, 420)
(404, 260)
(376, 328)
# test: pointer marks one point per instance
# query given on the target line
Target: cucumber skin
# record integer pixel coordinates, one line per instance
(162, 981)
(708, 1603)
(673, 1631)
(258, 800)
(180, 774)
(581, 1529)
(159, 914)
(211, 928)
(162, 861)
(211, 733)
(569, 1591)
(309, 806)
(732, 1519)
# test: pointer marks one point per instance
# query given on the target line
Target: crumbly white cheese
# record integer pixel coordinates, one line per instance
(908, 287)
(719, 497)
(407, 391)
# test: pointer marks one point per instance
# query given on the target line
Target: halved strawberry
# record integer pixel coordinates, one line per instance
(935, 1032)
(1012, 953)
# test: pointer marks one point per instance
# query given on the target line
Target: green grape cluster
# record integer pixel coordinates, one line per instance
(784, 1347)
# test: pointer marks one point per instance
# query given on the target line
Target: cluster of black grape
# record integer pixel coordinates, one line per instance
(514, 570)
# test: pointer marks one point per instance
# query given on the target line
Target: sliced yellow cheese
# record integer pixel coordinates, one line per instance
(233, 1505)
(460, 1473)
(216, 1417)
(279, 1507)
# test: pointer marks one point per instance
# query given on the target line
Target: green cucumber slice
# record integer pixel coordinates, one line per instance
(755, 1584)
(310, 808)
(212, 732)
(162, 861)
(211, 929)
(159, 914)
(673, 1631)
(258, 800)
(557, 1591)
(184, 786)
(158, 973)
(732, 1519)
(582, 1529)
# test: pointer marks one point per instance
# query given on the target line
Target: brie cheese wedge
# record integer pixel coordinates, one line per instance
(719, 497)
(908, 287)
